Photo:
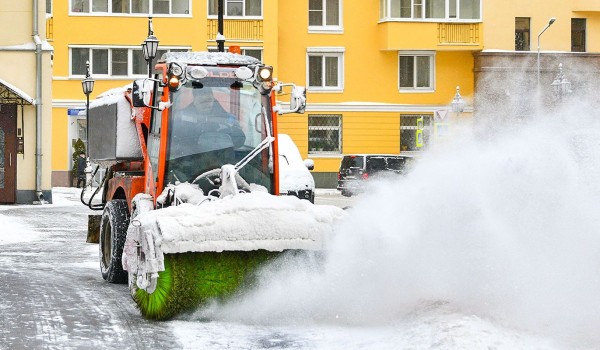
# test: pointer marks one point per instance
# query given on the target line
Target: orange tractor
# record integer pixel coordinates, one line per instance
(186, 153)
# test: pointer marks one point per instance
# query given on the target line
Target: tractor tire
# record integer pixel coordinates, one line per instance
(113, 231)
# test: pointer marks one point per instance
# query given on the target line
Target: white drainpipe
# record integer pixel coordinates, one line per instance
(38, 104)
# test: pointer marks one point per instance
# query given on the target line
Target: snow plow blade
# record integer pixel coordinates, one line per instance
(181, 256)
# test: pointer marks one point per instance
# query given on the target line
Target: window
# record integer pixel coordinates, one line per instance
(325, 134)
(120, 6)
(325, 69)
(118, 62)
(414, 136)
(324, 13)
(430, 9)
(578, 34)
(416, 71)
(236, 8)
(131, 6)
(49, 7)
(256, 53)
(522, 33)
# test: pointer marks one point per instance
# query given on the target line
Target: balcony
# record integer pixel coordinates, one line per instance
(431, 36)
(247, 30)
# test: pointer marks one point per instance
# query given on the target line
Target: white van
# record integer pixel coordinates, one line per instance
(295, 178)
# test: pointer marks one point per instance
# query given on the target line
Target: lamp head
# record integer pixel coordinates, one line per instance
(552, 20)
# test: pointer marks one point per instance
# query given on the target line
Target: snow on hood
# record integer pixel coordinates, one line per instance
(244, 222)
(295, 177)
(293, 174)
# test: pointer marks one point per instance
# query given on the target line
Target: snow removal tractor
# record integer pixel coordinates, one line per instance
(190, 192)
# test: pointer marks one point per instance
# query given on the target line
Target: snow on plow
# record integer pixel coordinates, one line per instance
(181, 256)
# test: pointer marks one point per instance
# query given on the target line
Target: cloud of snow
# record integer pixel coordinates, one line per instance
(501, 225)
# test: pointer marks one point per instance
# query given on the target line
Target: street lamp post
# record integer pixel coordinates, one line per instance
(220, 35)
(150, 47)
(538, 48)
(561, 85)
(458, 104)
(88, 86)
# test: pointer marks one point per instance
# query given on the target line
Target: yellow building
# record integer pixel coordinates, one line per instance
(527, 45)
(372, 68)
(25, 103)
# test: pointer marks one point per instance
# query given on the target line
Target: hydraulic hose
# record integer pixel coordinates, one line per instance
(89, 203)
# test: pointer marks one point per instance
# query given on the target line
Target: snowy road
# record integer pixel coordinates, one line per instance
(380, 287)
(53, 295)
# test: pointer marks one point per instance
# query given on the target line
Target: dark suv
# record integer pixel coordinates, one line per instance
(357, 168)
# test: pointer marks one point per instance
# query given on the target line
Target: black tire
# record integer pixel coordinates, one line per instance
(113, 231)
(346, 194)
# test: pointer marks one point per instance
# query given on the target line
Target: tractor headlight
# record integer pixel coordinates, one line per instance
(263, 79)
(176, 69)
(243, 73)
(197, 72)
(174, 83)
(265, 73)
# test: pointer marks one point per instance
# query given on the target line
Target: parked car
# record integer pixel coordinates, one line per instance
(355, 169)
(295, 178)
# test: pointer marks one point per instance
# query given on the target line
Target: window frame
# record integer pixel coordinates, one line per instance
(325, 28)
(243, 16)
(426, 130)
(110, 49)
(337, 52)
(109, 11)
(528, 31)
(385, 10)
(580, 32)
(339, 129)
(432, 71)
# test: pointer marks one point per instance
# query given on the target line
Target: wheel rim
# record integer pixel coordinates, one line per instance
(106, 244)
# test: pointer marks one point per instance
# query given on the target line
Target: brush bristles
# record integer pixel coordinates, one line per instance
(191, 279)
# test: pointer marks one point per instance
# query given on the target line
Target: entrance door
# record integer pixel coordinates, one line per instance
(8, 153)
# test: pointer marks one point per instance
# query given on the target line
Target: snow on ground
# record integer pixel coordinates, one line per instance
(434, 325)
(14, 231)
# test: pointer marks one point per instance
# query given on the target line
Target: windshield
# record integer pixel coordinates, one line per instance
(216, 122)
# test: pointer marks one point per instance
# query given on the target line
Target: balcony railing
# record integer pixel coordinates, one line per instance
(400, 35)
(50, 28)
(237, 29)
(458, 33)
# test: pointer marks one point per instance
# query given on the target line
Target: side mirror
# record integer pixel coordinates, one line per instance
(141, 94)
(297, 99)
(309, 163)
(137, 95)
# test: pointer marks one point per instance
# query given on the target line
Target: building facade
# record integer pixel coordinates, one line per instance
(527, 46)
(25, 103)
(378, 73)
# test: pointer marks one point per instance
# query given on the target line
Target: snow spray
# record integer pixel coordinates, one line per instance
(501, 225)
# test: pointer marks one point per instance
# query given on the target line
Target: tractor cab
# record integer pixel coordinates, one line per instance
(215, 109)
